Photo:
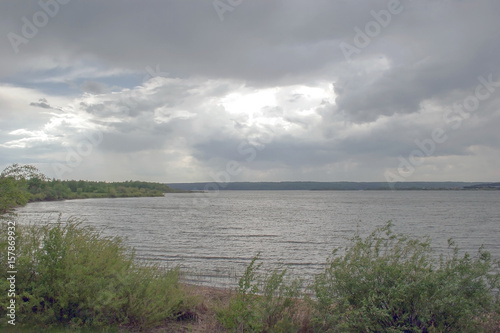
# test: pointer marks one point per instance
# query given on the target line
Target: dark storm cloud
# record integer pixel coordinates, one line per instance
(259, 41)
(155, 76)
(452, 45)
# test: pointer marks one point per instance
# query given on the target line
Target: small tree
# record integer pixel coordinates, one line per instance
(19, 184)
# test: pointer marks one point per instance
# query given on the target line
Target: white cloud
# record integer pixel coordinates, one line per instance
(176, 94)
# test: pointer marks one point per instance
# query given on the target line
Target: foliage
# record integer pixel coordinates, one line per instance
(392, 283)
(22, 184)
(262, 303)
(22, 172)
(12, 193)
(73, 276)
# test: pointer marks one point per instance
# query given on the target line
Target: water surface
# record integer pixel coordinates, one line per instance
(214, 236)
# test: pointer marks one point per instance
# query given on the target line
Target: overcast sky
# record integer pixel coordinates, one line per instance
(252, 90)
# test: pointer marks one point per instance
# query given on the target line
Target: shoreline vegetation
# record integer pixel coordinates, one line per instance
(71, 278)
(22, 184)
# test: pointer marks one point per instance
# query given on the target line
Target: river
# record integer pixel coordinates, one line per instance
(214, 236)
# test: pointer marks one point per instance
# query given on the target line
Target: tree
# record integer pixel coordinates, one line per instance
(22, 172)
(17, 184)
(11, 194)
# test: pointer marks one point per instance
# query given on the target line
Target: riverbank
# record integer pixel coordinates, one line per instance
(20, 185)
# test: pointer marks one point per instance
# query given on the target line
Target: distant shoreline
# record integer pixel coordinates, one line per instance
(334, 186)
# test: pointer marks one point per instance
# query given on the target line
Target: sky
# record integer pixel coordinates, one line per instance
(252, 90)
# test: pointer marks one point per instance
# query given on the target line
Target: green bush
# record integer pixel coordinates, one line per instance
(12, 193)
(73, 276)
(262, 303)
(392, 283)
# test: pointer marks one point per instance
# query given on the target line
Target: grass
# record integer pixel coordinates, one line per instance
(72, 278)
(262, 303)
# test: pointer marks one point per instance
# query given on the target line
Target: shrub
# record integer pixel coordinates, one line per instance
(392, 283)
(12, 194)
(262, 303)
(73, 276)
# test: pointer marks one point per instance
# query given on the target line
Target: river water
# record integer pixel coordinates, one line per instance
(214, 236)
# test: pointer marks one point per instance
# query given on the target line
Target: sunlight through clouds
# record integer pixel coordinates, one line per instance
(173, 86)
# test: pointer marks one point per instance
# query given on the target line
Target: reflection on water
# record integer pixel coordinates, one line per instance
(213, 243)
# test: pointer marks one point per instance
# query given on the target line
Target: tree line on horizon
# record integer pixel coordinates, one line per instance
(20, 184)
(331, 186)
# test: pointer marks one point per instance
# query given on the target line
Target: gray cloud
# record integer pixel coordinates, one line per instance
(94, 87)
(42, 103)
(168, 82)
